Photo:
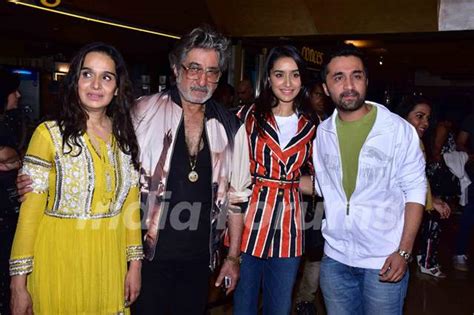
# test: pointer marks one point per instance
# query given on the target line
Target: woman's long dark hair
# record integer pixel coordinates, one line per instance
(267, 100)
(409, 103)
(73, 117)
(406, 106)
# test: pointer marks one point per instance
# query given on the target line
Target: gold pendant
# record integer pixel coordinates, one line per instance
(193, 176)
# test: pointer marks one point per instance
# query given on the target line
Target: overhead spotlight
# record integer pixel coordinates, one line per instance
(380, 60)
(358, 43)
(60, 70)
(48, 3)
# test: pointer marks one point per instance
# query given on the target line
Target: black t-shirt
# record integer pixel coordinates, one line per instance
(468, 126)
(185, 232)
(12, 129)
(9, 205)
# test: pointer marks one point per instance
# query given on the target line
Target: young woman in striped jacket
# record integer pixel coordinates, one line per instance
(275, 140)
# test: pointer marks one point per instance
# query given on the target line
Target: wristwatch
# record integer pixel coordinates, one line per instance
(406, 255)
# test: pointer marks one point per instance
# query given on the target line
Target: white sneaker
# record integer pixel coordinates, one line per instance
(460, 263)
(435, 272)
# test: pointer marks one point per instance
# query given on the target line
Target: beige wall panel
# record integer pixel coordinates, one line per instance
(262, 17)
(312, 17)
(369, 16)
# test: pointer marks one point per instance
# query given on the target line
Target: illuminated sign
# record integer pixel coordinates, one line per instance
(312, 56)
(22, 72)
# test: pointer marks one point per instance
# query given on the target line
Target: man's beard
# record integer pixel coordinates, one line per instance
(349, 105)
(189, 97)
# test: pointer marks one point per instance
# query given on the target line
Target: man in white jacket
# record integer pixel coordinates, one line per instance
(371, 172)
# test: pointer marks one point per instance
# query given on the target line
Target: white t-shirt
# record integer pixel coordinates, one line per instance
(287, 127)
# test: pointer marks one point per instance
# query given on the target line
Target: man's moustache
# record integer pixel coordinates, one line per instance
(200, 89)
(349, 93)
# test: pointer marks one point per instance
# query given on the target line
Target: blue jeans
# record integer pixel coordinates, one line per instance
(277, 275)
(350, 290)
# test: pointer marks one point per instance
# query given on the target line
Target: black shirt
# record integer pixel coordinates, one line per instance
(9, 204)
(468, 126)
(185, 226)
(12, 129)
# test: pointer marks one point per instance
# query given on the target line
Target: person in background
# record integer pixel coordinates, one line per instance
(245, 93)
(10, 162)
(79, 227)
(224, 94)
(275, 141)
(319, 103)
(417, 111)
(444, 183)
(465, 143)
(12, 127)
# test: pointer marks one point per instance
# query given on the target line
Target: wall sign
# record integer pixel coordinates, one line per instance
(312, 56)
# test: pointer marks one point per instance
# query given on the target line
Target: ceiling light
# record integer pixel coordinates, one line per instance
(61, 67)
(358, 43)
(92, 19)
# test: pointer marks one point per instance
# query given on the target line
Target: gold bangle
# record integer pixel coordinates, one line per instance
(235, 260)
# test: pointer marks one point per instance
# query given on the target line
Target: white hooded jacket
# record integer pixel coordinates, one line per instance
(365, 230)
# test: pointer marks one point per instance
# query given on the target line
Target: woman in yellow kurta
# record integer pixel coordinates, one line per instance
(81, 223)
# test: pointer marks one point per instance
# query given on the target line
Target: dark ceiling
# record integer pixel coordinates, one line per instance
(34, 32)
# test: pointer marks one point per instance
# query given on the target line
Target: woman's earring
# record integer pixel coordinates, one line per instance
(116, 92)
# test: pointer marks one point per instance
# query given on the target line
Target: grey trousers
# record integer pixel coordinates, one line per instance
(309, 282)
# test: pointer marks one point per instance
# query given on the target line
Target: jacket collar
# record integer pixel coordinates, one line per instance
(213, 110)
(383, 121)
(304, 128)
(271, 126)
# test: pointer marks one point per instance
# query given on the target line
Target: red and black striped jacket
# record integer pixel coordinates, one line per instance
(273, 218)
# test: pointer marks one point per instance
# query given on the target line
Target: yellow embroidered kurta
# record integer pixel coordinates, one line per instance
(78, 227)
(429, 196)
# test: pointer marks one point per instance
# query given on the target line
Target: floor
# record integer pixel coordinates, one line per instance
(426, 294)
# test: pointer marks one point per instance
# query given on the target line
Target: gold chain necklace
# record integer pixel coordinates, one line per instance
(193, 175)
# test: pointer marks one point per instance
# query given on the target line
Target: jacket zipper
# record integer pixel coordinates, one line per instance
(341, 175)
(358, 164)
(369, 136)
